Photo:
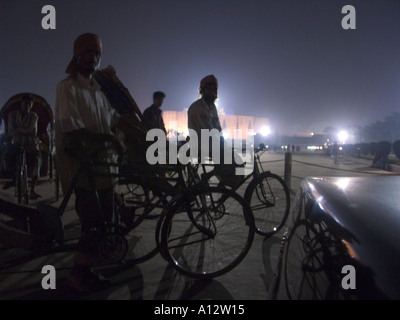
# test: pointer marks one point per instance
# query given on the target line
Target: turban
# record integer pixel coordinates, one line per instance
(80, 45)
(206, 80)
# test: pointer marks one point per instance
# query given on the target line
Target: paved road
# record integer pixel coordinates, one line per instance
(155, 279)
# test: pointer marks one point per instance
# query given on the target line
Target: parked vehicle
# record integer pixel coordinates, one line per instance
(342, 240)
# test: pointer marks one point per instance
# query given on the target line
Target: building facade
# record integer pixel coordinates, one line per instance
(176, 122)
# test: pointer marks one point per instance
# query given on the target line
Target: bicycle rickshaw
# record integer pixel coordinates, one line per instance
(45, 131)
(202, 230)
(194, 229)
(179, 233)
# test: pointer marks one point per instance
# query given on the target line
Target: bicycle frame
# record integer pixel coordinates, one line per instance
(258, 170)
(187, 178)
(21, 177)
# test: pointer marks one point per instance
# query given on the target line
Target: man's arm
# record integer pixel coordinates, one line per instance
(32, 128)
(72, 130)
(12, 130)
(163, 125)
(66, 111)
(148, 117)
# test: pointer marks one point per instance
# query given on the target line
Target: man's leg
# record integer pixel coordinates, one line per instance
(90, 212)
(106, 197)
(10, 158)
(88, 208)
(33, 162)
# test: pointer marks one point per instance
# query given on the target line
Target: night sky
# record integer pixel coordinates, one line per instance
(288, 60)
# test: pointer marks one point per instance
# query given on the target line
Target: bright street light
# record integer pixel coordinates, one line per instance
(343, 135)
(265, 131)
(225, 134)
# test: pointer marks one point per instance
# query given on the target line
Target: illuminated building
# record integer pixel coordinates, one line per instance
(176, 122)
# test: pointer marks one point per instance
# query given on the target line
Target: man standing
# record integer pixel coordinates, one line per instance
(203, 114)
(22, 132)
(152, 115)
(84, 120)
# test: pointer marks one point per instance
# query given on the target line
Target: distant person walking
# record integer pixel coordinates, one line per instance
(335, 152)
(153, 114)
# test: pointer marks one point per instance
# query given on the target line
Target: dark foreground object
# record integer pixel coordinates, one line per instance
(343, 240)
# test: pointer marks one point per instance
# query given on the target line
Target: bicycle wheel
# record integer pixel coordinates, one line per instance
(138, 213)
(305, 277)
(208, 232)
(269, 200)
(133, 200)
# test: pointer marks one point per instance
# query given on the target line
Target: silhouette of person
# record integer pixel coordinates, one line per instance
(335, 152)
(153, 115)
(83, 118)
(202, 114)
(22, 131)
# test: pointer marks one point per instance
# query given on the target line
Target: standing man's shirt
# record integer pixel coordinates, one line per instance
(153, 118)
(203, 116)
(27, 122)
(80, 104)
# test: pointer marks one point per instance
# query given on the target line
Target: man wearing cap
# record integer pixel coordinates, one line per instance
(83, 120)
(203, 114)
(152, 115)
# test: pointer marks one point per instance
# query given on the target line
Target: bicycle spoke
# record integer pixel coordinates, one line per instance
(136, 203)
(269, 199)
(304, 269)
(189, 245)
